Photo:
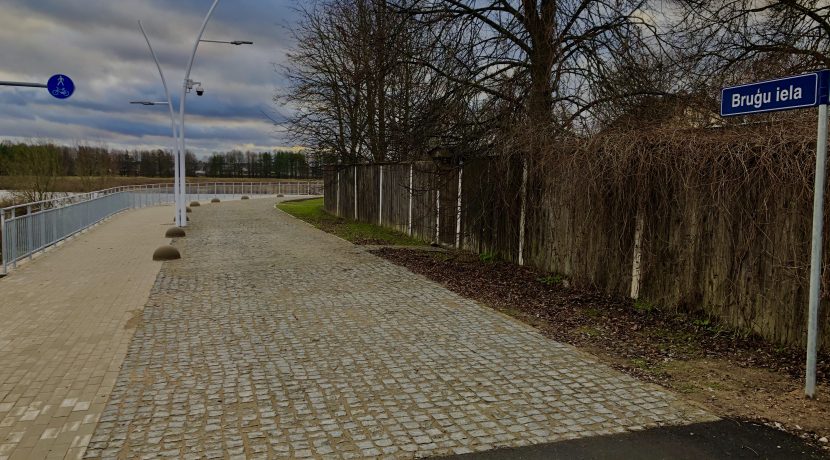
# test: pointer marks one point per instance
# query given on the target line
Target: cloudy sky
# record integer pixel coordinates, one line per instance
(98, 44)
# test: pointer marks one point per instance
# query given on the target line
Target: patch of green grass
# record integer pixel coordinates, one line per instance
(589, 331)
(312, 212)
(488, 257)
(685, 387)
(592, 312)
(655, 370)
(640, 363)
(551, 280)
(644, 306)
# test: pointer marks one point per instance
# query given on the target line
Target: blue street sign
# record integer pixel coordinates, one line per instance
(60, 86)
(808, 90)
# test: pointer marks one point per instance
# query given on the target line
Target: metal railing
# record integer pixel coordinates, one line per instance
(29, 228)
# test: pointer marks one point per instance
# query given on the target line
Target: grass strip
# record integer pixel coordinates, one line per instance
(312, 212)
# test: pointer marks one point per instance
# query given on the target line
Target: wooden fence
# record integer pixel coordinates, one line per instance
(690, 255)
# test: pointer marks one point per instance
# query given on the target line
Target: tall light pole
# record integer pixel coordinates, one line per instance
(180, 186)
(181, 217)
(187, 84)
(177, 164)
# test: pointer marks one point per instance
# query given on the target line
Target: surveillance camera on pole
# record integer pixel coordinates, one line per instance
(195, 85)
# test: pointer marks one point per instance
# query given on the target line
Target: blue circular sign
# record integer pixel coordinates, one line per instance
(60, 86)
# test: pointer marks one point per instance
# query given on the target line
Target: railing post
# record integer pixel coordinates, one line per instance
(42, 215)
(55, 217)
(13, 239)
(3, 236)
(30, 237)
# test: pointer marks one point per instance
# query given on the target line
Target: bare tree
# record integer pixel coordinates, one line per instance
(37, 168)
(360, 90)
(92, 165)
(544, 58)
(759, 37)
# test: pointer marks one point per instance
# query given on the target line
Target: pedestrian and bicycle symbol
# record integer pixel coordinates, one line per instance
(60, 86)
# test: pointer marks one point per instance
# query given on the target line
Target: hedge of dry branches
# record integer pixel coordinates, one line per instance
(754, 182)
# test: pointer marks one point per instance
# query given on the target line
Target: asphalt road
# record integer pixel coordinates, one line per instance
(724, 439)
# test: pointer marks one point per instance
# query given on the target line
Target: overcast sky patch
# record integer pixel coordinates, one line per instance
(98, 44)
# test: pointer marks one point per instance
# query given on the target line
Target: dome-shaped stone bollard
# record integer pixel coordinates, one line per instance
(215, 200)
(280, 195)
(174, 232)
(166, 253)
(195, 204)
(187, 209)
(245, 197)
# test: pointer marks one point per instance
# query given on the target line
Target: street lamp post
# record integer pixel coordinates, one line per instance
(187, 84)
(177, 164)
(180, 210)
(234, 42)
(180, 186)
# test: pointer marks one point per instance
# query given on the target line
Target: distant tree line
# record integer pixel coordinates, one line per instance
(261, 165)
(51, 160)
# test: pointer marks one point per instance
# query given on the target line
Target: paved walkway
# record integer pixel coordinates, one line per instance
(66, 319)
(270, 339)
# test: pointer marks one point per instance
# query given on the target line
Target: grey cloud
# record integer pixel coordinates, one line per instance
(97, 42)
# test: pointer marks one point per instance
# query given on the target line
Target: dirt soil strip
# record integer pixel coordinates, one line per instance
(735, 375)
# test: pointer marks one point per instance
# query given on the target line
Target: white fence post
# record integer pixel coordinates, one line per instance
(523, 213)
(438, 216)
(380, 199)
(355, 191)
(411, 168)
(638, 253)
(458, 211)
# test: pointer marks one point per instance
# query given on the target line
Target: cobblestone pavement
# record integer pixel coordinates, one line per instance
(65, 324)
(270, 339)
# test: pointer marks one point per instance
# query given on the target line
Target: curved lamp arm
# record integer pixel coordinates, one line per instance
(181, 216)
(169, 103)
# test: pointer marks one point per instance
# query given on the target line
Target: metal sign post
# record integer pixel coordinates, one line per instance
(786, 93)
(815, 254)
(59, 86)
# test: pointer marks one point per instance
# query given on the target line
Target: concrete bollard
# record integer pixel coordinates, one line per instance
(166, 253)
(174, 232)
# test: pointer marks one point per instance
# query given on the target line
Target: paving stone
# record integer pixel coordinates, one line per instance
(271, 331)
(67, 319)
